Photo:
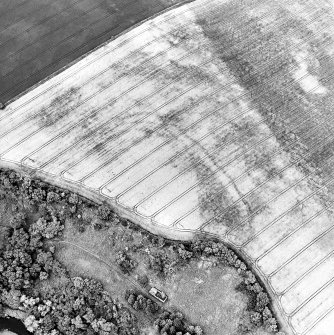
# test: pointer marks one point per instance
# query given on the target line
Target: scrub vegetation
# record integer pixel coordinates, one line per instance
(39, 275)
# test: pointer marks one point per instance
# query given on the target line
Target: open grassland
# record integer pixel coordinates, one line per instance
(204, 280)
(214, 117)
(39, 37)
(206, 293)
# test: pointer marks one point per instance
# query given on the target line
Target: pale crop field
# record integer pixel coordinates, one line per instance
(214, 117)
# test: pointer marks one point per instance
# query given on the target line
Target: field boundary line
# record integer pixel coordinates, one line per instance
(322, 235)
(242, 95)
(212, 173)
(306, 273)
(321, 317)
(150, 74)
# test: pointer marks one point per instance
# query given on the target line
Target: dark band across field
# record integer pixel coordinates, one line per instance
(39, 37)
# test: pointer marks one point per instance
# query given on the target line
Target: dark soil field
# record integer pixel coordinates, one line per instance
(39, 37)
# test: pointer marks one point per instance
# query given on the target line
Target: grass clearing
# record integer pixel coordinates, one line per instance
(206, 293)
(208, 296)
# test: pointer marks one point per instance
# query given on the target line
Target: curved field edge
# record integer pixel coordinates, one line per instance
(235, 259)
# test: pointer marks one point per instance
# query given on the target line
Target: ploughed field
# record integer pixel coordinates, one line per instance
(215, 117)
(39, 37)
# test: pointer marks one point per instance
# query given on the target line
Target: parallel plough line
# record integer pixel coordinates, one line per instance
(306, 273)
(62, 41)
(225, 209)
(272, 274)
(113, 178)
(61, 27)
(81, 46)
(327, 183)
(215, 171)
(32, 117)
(150, 74)
(323, 316)
(120, 44)
(21, 141)
(311, 297)
(279, 149)
(114, 157)
(117, 175)
(104, 71)
(16, 6)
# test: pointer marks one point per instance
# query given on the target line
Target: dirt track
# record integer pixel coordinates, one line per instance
(165, 126)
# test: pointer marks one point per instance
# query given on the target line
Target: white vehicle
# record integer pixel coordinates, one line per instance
(161, 296)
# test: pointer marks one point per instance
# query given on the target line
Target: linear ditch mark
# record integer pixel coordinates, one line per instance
(115, 177)
(284, 168)
(260, 185)
(119, 62)
(327, 183)
(140, 65)
(41, 147)
(111, 266)
(184, 193)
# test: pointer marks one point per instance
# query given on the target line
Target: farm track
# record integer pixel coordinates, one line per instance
(155, 123)
(111, 266)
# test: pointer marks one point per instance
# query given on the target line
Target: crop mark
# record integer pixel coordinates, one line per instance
(255, 78)
(127, 169)
(147, 115)
(132, 37)
(82, 102)
(270, 224)
(259, 142)
(274, 198)
(124, 75)
(105, 184)
(59, 104)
